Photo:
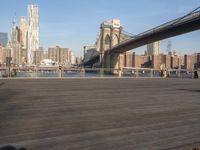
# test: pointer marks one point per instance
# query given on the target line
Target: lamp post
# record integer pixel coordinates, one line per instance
(8, 61)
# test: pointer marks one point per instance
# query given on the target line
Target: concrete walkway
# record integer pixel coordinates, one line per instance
(100, 114)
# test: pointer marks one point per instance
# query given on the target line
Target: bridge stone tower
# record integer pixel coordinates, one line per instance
(110, 36)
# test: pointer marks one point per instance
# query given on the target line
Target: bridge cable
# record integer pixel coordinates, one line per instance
(190, 13)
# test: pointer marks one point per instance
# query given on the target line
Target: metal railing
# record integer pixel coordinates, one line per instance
(98, 73)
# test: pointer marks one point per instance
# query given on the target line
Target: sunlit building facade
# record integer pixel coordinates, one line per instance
(153, 48)
(23, 31)
(33, 31)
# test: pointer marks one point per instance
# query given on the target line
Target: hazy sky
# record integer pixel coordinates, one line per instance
(76, 23)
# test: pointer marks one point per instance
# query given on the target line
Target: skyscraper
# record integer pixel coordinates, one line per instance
(15, 44)
(1, 55)
(23, 31)
(33, 31)
(153, 48)
(3, 39)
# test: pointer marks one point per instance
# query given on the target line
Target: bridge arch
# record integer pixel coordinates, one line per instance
(115, 39)
(107, 41)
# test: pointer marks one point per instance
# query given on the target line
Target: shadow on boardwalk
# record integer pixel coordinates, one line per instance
(11, 148)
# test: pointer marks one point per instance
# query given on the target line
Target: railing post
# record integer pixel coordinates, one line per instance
(60, 71)
(137, 73)
(179, 73)
(151, 73)
(120, 72)
(82, 72)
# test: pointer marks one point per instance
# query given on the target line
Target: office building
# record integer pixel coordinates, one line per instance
(128, 59)
(6, 54)
(33, 31)
(15, 35)
(23, 31)
(14, 45)
(24, 56)
(1, 55)
(38, 56)
(165, 60)
(139, 61)
(16, 54)
(3, 39)
(61, 56)
(197, 65)
(73, 62)
(153, 48)
(156, 62)
(78, 60)
(189, 61)
(175, 62)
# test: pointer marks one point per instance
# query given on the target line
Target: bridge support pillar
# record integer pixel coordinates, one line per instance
(111, 63)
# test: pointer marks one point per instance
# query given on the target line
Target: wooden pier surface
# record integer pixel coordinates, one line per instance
(100, 114)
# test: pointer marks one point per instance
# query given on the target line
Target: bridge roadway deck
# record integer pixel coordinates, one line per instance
(100, 114)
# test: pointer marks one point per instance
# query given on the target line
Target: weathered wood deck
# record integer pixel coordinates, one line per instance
(100, 114)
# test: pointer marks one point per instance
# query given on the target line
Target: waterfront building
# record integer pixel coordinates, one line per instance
(175, 62)
(62, 56)
(24, 56)
(73, 62)
(3, 39)
(33, 31)
(23, 31)
(197, 65)
(156, 61)
(46, 55)
(89, 52)
(165, 60)
(15, 34)
(14, 45)
(47, 62)
(121, 60)
(1, 55)
(6, 54)
(128, 59)
(189, 61)
(16, 54)
(140, 61)
(153, 48)
(78, 60)
(198, 57)
(38, 56)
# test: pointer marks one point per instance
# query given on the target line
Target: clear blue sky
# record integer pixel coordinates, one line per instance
(75, 23)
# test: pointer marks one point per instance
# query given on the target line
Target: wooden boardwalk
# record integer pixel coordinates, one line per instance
(100, 114)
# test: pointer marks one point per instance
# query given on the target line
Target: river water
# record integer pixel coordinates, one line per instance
(51, 74)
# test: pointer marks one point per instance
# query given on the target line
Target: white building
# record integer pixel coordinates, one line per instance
(73, 61)
(47, 62)
(33, 31)
(153, 48)
(23, 30)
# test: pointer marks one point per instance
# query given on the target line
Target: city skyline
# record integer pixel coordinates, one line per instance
(72, 24)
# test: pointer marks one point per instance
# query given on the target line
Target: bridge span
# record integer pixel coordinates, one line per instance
(182, 25)
(170, 29)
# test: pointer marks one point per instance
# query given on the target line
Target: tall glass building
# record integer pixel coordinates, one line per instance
(3, 39)
(153, 48)
(33, 31)
(23, 29)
